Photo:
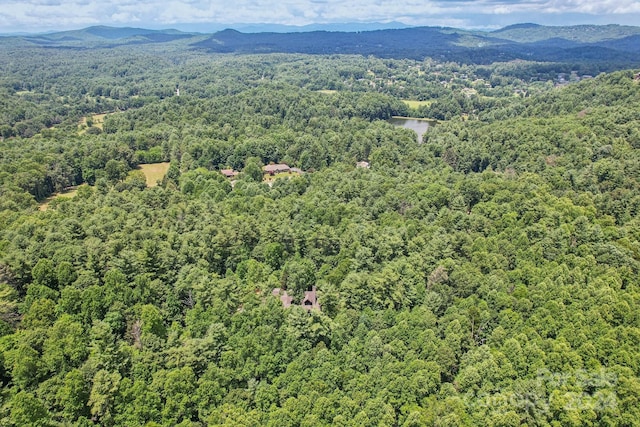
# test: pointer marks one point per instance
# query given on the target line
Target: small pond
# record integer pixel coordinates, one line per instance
(419, 126)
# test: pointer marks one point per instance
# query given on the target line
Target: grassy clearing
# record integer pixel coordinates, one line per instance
(327, 91)
(270, 178)
(415, 104)
(97, 119)
(65, 194)
(154, 172)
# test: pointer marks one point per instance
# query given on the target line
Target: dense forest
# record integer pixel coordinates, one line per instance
(484, 276)
(608, 47)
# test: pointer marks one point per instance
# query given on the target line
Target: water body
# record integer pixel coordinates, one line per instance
(419, 126)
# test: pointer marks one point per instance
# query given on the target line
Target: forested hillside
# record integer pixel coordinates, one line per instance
(609, 47)
(486, 276)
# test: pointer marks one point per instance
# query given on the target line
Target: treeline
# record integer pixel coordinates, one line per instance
(583, 139)
(488, 276)
(306, 129)
(77, 83)
(436, 289)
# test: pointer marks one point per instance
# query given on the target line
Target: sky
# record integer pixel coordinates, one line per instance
(49, 15)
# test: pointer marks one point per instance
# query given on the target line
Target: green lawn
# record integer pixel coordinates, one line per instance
(271, 178)
(154, 172)
(68, 193)
(415, 104)
(98, 122)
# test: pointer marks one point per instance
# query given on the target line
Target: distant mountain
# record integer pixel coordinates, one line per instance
(386, 43)
(101, 34)
(113, 33)
(528, 33)
(581, 43)
(341, 27)
(523, 26)
(615, 44)
(631, 44)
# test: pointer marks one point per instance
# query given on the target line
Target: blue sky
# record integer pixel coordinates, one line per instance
(47, 15)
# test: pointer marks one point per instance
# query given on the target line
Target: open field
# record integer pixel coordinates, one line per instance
(269, 179)
(67, 193)
(97, 119)
(415, 104)
(154, 172)
(328, 91)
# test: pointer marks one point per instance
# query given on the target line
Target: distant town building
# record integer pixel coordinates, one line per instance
(277, 168)
(229, 173)
(284, 297)
(309, 302)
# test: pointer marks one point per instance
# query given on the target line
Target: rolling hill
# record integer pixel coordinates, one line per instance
(607, 44)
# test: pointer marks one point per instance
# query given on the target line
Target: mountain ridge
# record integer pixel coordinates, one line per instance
(526, 41)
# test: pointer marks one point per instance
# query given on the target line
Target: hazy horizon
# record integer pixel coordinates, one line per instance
(39, 16)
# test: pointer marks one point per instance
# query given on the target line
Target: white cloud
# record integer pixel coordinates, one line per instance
(62, 14)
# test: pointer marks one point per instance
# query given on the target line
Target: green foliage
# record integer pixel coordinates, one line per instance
(298, 275)
(253, 169)
(43, 273)
(485, 277)
(152, 322)
(103, 391)
(26, 409)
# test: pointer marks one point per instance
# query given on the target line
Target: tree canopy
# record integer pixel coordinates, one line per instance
(487, 275)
